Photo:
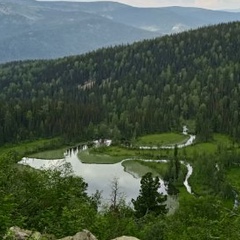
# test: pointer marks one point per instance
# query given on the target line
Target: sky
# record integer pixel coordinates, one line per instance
(211, 4)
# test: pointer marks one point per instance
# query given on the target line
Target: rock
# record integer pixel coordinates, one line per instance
(84, 235)
(126, 238)
(16, 233)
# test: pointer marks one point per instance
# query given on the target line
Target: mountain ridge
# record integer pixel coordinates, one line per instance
(39, 30)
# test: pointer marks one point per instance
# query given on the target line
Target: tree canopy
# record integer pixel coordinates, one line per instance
(125, 91)
(149, 199)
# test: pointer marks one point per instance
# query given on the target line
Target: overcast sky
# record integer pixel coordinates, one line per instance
(212, 4)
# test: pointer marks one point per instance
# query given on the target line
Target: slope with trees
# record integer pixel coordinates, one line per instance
(126, 91)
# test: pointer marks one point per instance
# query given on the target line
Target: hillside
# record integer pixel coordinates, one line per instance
(126, 91)
(41, 30)
(121, 93)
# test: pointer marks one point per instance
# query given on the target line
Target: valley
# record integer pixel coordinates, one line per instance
(101, 169)
(140, 96)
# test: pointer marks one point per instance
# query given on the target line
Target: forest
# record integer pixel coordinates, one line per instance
(122, 93)
(127, 91)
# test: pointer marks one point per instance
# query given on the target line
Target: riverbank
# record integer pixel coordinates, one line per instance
(115, 154)
(28, 148)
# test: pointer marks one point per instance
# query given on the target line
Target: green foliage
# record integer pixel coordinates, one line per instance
(111, 224)
(202, 218)
(174, 167)
(154, 229)
(30, 147)
(149, 200)
(188, 77)
(6, 211)
(37, 199)
(61, 199)
(218, 145)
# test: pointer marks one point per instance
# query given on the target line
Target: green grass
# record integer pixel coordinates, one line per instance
(115, 154)
(140, 168)
(49, 154)
(113, 151)
(88, 157)
(112, 154)
(160, 168)
(220, 142)
(199, 148)
(233, 178)
(183, 193)
(27, 148)
(161, 139)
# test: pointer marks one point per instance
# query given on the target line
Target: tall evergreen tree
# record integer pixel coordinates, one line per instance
(149, 199)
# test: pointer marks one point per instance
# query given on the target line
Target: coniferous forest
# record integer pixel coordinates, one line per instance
(121, 93)
(151, 86)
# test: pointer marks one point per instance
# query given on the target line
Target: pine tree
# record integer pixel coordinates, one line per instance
(149, 200)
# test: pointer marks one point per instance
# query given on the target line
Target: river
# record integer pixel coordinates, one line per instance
(100, 176)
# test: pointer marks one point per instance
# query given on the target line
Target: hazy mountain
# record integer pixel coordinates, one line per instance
(31, 29)
(168, 19)
(164, 20)
(232, 10)
(41, 30)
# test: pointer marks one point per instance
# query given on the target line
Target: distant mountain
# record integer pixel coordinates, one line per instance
(232, 10)
(33, 30)
(166, 20)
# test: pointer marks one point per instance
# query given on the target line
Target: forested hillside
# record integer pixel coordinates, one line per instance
(120, 93)
(33, 29)
(125, 91)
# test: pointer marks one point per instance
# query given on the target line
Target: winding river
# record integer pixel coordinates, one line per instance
(181, 145)
(100, 176)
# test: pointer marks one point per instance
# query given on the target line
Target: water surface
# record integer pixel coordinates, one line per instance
(98, 176)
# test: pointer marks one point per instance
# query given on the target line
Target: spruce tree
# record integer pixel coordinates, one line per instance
(149, 199)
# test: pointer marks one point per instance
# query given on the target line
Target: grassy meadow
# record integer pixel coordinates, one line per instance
(54, 149)
(140, 168)
(28, 148)
(161, 139)
(49, 154)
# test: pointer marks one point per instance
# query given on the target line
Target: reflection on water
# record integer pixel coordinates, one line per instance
(98, 176)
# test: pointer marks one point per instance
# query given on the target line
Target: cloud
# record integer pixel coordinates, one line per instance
(158, 3)
(207, 3)
(212, 4)
(217, 4)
